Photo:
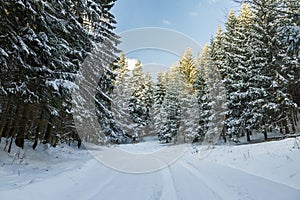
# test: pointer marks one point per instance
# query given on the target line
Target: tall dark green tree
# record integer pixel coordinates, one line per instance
(137, 107)
(43, 44)
(202, 92)
(158, 98)
(170, 110)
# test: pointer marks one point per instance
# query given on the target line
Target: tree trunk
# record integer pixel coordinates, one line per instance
(248, 135)
(286, 128)
(265, 134)
(48, 133)
(10, 144)
(4, 117)
(39, 126)
(23, 127)
(280, 129)
(291, 118)
(224, 134)
(17, 134)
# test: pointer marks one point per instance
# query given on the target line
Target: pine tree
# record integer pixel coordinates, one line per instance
(242, 65)
(158, 98)
(160, 89)
(120, 101)
(234, 81)
(187, 68)
(189, 116)
(219, 68)
(137, 108)
(122, 76)
(148, 98)
(217, 53)
(203, 96)
(171, 111)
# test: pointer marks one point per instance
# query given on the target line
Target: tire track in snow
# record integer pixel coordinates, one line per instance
(261, 177)
(82, 180)
(202, 184)
(232, 182)
(168, 190)
(215, 182)
(97, 192)
(130, 186)
(89, 179)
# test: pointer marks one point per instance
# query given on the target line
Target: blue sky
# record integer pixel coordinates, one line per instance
(197, 19)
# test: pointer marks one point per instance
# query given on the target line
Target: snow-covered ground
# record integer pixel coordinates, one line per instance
(259, 171)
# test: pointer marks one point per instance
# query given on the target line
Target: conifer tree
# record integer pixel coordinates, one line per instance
(187, 68)
(158, 98)
(120, 98)
(137, 108)
(170, 108)
(202, 92)
(148, 98)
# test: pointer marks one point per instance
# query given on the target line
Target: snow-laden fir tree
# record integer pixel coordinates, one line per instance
(170, 110)
(158, 98)
(239, 95)
(159, 89)
(137, 107)
(119, 103)
(148, 100)
(42, 46)
(203, 96)
(187, 68)
(233, 71)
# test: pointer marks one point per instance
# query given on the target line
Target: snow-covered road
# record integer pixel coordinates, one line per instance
(261, 171)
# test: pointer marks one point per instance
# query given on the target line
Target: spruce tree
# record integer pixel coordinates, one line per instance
(137, 108)
(203, 96)
(120, 101)
(158, 98)
(148, 98)
(171, 111)
(187, 68)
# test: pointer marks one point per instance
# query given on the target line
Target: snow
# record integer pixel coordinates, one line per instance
(148, 145)
(131, 62)
(257, 171)
(57, 83)
(3, 53)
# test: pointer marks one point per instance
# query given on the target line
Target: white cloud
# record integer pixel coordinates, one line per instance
(131, 63)
(193, 14)
(166, 22)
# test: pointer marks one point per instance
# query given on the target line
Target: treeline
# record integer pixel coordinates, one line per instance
(245, 82)
(43, 44)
